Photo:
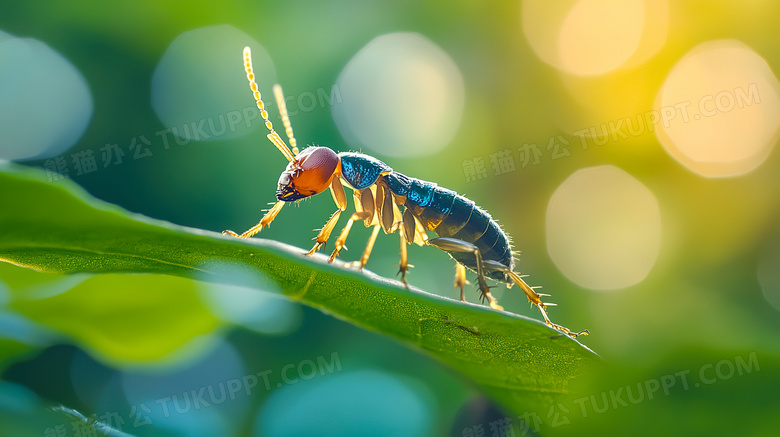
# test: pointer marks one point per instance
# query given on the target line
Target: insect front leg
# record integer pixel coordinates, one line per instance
(265, 221)
(324, 234)
(455, 245)
(340, 199)
(365, 203)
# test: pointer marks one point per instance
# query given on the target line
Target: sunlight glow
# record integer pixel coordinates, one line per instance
(593, 37)
(603, 228)
(199, 88)
(45, 102)
(402, 96)
(719, 109)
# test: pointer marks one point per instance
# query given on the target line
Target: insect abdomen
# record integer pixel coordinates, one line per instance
(449, 214)
(481, 230)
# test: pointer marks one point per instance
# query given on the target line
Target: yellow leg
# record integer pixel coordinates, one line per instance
(536, 299)
(403, 266)
(345, 232)
(265, 221)
(364, 202)
(369, 247)
(339, 196)
(324, 234)
(455, 245)
(460, 279)
(340, 199)
(492, 301)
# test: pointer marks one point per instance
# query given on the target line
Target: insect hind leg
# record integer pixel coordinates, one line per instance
(454, 245)
(369, 247)
(533, 296)
(536, 299)
(486, 266)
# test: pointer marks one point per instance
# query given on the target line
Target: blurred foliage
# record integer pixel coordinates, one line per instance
(141, 308)
(703, 302)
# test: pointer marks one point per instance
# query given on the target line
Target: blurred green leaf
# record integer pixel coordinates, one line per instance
(146, 317)
(56, 227)
(23, 413)
(86, 424)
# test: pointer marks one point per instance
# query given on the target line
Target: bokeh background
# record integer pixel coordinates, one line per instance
(627, 146)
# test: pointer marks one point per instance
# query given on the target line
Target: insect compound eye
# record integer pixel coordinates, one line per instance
(285, 179)
(286, 189)
(317, 167)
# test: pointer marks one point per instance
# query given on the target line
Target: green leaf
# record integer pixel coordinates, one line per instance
(23, 413)
(146, 318)
(56, 227)
(125, 328)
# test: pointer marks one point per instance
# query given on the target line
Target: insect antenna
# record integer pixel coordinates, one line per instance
(273, 136)
(285, 118)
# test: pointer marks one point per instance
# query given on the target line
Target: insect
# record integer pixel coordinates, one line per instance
(465, 231)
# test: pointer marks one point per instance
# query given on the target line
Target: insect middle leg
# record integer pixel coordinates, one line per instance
(369, 248)
(365, 211)
(345, 232)
(404, 265)
(455, 245)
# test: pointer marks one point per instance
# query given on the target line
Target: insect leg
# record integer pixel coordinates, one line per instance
(265, 221)
(420, 236)
(536, 299)
(460, 279)
(345, 232)
(369, 247)
(404, 265)
(365, 204)
(324, 234)
(340, 199)
(455, 245)
(339, 196)
(364, 201)
(533, 296)
(408, 226)
(385, 209)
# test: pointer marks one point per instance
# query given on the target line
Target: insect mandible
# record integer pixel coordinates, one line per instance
(464, 230)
